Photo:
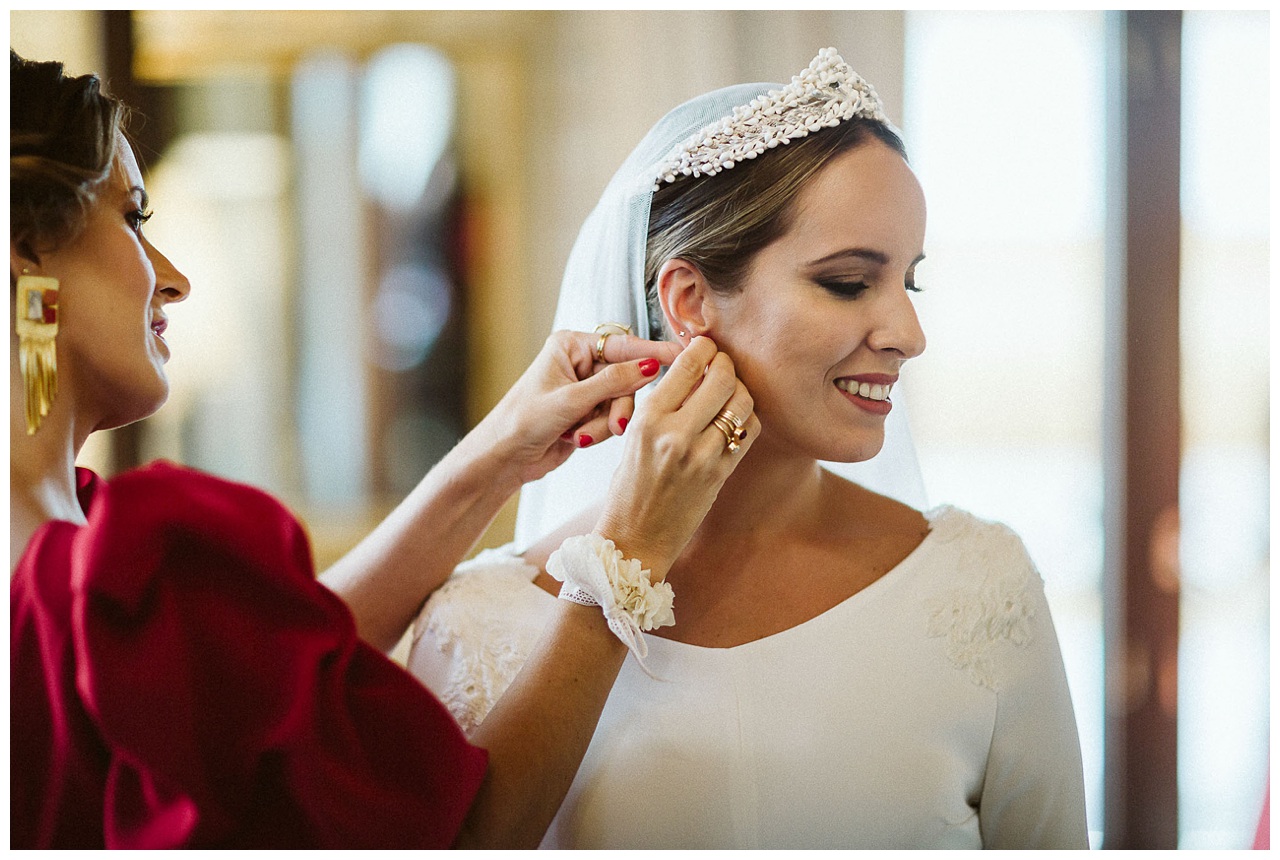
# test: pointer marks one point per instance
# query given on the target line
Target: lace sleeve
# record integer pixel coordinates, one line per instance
(475, 633)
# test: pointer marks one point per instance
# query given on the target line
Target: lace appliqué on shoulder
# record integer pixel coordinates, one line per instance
(992, 607)
(480, 621)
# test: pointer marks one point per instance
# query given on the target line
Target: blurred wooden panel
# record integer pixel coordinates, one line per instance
(1143, 470)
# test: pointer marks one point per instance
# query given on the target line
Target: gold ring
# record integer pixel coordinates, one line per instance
(733, 434)
(733, 419)
(622, 329)
(731, 424)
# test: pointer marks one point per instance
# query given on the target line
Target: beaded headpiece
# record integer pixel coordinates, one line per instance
(824, 95)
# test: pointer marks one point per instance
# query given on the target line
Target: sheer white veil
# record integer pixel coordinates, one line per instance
(604, 282)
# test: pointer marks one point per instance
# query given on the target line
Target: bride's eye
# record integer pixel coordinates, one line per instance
(845, 289)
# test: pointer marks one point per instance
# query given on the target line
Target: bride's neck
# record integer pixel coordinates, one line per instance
(770, 491)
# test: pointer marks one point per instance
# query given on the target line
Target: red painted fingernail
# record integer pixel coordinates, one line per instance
(622, 425)
(649, 367)
(567, 435)
(584, 440)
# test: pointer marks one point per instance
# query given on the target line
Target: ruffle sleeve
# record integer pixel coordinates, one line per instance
(238, 706)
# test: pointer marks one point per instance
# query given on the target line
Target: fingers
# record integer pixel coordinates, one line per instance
(718, 385)
(620, 411)
(701, 394)
(685, 375)
(741, 414)
(612, 382)
(588, 352)
(600, 425)
(625, 347)
(601, 403)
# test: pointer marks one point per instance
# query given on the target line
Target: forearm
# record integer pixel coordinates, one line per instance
(387, 576)
(540, 729)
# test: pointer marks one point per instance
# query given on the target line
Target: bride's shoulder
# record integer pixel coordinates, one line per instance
(972, 554)
(973, 535)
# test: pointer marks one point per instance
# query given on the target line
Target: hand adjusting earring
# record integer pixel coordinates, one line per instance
(621, 329)
(37, 326)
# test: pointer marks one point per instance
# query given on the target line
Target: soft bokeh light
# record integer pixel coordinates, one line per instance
(406, 119)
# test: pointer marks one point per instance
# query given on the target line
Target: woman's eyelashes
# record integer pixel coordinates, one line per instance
(846, 288)
(852, 288)
(136, 218)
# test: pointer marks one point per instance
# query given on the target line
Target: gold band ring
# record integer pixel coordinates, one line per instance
(733, 419)
(731, 426)
(621, 329)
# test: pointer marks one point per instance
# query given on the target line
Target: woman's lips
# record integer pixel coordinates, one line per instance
(868, 391)
(157, 329)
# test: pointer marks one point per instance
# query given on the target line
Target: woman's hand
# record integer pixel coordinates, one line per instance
(676, 459)
(567, 399)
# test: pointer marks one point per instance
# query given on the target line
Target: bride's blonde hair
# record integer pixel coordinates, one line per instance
(719, 223)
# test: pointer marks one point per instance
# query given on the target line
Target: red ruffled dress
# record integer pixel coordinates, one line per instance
(179, 679)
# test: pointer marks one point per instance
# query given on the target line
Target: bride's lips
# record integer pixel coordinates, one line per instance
(868, 391)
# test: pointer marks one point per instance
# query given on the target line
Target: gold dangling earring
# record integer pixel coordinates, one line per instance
(37, 326)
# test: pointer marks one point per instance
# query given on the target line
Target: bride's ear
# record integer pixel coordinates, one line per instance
(685, 298)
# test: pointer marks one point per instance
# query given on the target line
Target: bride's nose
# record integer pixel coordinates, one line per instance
(896, 327)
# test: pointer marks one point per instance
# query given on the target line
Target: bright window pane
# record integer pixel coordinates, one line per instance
(1223, 689)
(1006, 402)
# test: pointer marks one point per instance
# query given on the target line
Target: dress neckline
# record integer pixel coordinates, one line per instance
(938, 518)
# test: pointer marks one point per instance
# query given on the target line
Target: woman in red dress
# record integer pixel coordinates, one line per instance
(179, 677)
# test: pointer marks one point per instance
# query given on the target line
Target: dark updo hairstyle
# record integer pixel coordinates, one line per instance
(62, 148)
(720, 222)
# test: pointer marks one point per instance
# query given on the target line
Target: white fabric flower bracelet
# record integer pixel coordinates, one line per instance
(594, 573)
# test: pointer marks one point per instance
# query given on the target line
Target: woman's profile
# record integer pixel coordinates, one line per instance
(844, 671)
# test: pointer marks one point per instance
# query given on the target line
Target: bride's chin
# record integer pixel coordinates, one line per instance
(856, 452)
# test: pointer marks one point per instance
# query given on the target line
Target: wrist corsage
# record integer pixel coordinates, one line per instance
(594, 573)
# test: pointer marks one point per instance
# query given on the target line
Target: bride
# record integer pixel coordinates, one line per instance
(844, 670)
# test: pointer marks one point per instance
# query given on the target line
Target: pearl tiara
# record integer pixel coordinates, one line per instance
(824, 95)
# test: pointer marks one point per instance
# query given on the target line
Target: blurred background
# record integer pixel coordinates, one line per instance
(374, 209)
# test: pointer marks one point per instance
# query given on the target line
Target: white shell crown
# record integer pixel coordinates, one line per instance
(822, 96)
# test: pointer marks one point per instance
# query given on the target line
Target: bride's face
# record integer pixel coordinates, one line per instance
(824, 320)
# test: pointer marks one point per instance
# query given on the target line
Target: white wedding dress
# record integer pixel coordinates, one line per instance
(928, 710)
